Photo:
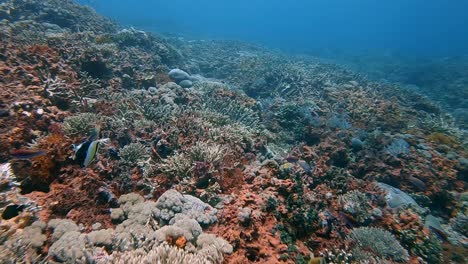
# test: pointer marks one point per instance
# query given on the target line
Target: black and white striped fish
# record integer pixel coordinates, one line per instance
(86, 152)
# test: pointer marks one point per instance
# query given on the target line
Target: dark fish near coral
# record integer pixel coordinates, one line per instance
(305, 166)
(434, 225)
(291, 159)
(86, 152)
(114, 153)
(420, 185)
(106, 196)
(27, 153)
(11, 211)
(348, 220)
(438, 233)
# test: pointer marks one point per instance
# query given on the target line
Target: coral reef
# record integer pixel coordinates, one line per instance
(218, 152)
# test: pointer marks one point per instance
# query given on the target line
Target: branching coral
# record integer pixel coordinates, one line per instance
(89, 87)
(233, 110)
(65, 94)
(181, 164)
(426, 246)
(206, 152)
(460, 224)
(176, 165)
(82, 124)
(368, 242)
(58, 91)
(156, 111)
(134, 154)
(338, 256)
(235, 135)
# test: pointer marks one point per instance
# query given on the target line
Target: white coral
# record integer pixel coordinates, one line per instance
(163, 254)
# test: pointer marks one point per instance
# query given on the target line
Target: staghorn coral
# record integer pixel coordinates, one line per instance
(82, 124)
(145, 125)
(58, 91)
(375, 242)
(204, 153)
(134, 154)
(176, 165)
(156, 111)
(89, 88)
(234, 135)
(65, 94)
(233, 110)
(207, 86)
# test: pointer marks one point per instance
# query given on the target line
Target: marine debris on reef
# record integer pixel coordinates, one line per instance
(216, 152)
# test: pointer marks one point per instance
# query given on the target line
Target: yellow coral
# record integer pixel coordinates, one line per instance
(441, 138)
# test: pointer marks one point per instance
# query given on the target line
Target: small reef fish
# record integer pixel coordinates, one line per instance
(27, 153)
(305, 166)
(420, 185)
(86, 152)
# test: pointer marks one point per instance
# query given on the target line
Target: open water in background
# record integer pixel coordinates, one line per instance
(408, 27)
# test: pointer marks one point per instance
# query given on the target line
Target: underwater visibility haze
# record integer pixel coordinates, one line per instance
(233, 131)
(414, 27)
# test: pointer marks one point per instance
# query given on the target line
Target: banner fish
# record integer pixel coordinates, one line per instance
(86, 152)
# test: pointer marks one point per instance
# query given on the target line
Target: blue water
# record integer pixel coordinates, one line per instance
(412, 27)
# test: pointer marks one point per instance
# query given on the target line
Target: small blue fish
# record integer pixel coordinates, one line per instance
(86, 152)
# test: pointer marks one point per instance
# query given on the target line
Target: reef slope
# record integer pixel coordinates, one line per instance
(213, 152)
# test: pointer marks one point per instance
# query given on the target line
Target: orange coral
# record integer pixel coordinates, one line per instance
(181, 242)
